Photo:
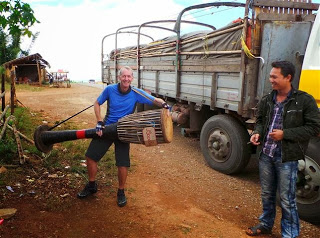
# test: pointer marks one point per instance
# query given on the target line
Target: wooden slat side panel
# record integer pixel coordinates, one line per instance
(286, 4)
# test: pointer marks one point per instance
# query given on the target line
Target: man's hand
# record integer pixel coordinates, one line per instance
(276, 134)
(254, 139)
(99, 128)
(165, 105)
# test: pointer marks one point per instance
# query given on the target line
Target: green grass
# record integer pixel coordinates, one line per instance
(26, 87)
(24, 124)
(64, 155)
(72, 153)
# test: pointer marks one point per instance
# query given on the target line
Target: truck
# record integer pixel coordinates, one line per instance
(214, 79)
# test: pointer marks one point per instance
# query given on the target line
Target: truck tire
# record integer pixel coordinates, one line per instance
(223, 141)
(308, 185)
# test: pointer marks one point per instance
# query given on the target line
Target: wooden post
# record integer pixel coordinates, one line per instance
(13, 90)
(3, 101)
(43, 75)
(19, 146)
(39, 73)
(5, 126)
(22, 136)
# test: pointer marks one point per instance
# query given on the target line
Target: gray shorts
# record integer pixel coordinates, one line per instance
(99, 146)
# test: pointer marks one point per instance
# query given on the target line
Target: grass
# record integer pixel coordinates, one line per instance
(66, 154)
(64, 160)
(25, 124)
(25, 87)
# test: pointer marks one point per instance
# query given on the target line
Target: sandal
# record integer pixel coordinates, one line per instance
(257, 230)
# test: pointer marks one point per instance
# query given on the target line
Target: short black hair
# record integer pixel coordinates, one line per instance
(286, 68)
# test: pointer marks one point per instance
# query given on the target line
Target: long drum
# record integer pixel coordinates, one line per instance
(148, 127)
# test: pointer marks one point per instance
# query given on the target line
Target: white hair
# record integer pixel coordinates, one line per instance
(125, 68)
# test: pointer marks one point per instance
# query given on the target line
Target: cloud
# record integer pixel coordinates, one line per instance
(71, 31)
(71, 34)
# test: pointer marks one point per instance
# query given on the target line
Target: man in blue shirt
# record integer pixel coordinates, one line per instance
(121, 101)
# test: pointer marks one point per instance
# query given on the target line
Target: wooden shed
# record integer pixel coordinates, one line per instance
(29, 69)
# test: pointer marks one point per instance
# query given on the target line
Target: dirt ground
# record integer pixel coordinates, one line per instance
(171, 191)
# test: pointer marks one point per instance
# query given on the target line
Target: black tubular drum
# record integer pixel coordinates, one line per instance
(45, 139)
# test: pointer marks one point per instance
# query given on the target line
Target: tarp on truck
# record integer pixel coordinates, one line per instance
(201, 44)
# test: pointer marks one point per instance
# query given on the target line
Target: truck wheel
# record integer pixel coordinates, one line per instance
(223, 142)
(308, 185)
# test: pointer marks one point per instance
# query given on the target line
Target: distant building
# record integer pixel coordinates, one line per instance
(29, 69)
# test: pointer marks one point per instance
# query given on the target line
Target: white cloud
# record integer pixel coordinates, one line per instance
(71, 32)
(70, 36)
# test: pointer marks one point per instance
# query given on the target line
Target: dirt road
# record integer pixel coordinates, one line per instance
(171, 191)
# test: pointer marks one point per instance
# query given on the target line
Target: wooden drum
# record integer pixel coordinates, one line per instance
(148, 127)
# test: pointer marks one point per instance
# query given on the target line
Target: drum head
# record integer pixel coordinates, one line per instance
(38, 141)
(166, 125)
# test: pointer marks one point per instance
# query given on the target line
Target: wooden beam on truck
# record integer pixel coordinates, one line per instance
(147, 49)
(286, 4)
(133, 67)
(235, 68)
(284, 17)
(213, 52)
(213, 91)
(159, 46)
(161, 58)
(256, 29)
(211, 68)
(213, 61)
(167, 62)
(126, 62)
(159, 67)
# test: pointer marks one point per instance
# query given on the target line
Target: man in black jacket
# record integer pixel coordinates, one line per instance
(287, 118)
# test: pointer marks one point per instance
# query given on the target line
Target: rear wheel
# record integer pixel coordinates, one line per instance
(223, 141)
(308, 186)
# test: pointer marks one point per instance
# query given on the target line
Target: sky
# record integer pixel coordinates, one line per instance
(71, 31)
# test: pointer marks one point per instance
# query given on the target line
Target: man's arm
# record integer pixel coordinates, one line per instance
(311, 125)
(255, 137)
(159, 102)
(260, 116)
(97, 112)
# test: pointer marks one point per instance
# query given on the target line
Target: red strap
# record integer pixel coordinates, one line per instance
(81, 134)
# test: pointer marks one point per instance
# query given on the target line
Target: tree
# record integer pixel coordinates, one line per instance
(16, 19)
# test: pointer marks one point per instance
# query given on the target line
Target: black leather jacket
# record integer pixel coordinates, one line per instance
(301, 121)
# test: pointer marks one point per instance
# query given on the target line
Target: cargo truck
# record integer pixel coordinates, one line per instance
(214, 79)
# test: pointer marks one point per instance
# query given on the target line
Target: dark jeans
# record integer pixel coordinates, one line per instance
(282, 176)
